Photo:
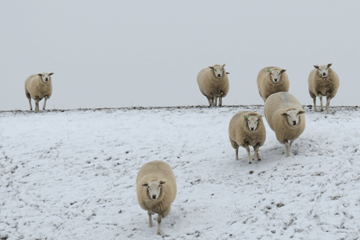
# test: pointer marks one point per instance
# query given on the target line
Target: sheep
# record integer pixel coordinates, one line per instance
(285, 116)
(323, 81)
(37, 87)
(156, 189)
(247, 128)
(272, 80)
(214, 83)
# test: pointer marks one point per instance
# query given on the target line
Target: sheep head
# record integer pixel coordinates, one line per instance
(154, 189)
(275, 74)
(45, 77)
(323, 70)
(218, 70)
(293, 117)
(252, 122)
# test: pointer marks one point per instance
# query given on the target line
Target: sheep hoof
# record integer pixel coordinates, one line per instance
(250, 162)
(259, 159)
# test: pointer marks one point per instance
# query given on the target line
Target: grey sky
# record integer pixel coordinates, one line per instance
(148, 53)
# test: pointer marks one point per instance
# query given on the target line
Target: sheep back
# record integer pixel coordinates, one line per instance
(240, 133)
(275, 105)
(323, 86)
(156, 171)
(36, 88)
(211, 86)
(267, 87)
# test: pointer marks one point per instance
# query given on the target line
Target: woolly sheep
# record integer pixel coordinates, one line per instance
(247, 128)
(323, 81)
(156, 189)
(285, 116)
(37, 87)
(213, 83)
(272, 80)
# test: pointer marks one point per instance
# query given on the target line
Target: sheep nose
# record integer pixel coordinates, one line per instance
(218, 75)
(275, 79)
(294, 123)
(324, 74)
(252, 129)
(154, 196)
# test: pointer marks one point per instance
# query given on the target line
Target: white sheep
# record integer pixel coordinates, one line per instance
(272, 80)
(285, 116)
(213, 83)
(323, 81)
(37, 87)
(247, 129)
(156, 189)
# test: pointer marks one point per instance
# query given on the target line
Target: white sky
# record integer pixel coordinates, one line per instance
(148, 53)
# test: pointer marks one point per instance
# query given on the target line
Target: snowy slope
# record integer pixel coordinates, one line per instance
(71, 175)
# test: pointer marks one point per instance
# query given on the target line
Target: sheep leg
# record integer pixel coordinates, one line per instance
(46, 98)
(159, 221)
(249, 155)
(314, 103)
(210, 101)
(215, 100)
(288, 146)
(220, 101)
(150, 219)
(30, 103)
(256, 155)
(327, 104)
(321, 104)
(37, 105)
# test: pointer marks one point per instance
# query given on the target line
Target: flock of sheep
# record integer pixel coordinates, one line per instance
(156, 184)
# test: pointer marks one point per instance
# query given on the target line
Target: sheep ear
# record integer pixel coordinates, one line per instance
(145, 185)
(316, 66)
(301, 112)
(283, 70)
(211, 67)
(284, 114)
(40, 74)
(224, 65)
(51, 73)
(227, 73)
(329, 65)
(162, 182)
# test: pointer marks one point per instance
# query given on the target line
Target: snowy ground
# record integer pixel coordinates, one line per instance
(71, 175)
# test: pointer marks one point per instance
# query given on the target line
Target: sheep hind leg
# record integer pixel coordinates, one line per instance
(220, 101)
(210, 101)
(249, 155)
(159, 221)
(314, 99)
(215, 101)
(150, 219)
(328, 104)
(46, 98)
(288, 146)
(30, 103)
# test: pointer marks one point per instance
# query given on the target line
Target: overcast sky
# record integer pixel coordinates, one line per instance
(148, 53)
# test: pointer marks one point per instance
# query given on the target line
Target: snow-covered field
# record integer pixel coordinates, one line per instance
(71, 175)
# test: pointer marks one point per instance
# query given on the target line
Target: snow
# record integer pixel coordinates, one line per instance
(71, 175)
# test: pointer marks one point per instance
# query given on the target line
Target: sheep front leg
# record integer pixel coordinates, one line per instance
(220, 101)
(150, 219)
(46, 98)
(327, 104)
(321, 104)
(159, 221)
(314, 99)
(210, 101)
(37, 105)
(249, 155)
(288, 146)
(256, 155)
(30, 103)
(215, 100)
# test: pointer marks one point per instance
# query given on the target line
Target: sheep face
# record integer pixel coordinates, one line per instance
(323, 70)
(45, 77)
(276, 75)
(293, 117)
(154, 189)
(218, 70)
(252, 122)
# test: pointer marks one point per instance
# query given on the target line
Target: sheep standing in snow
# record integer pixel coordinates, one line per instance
(272, 80)
(285, 116)
(247, 129)
(213, 83)
(37, 87)
(323, 81)
(156, 189)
